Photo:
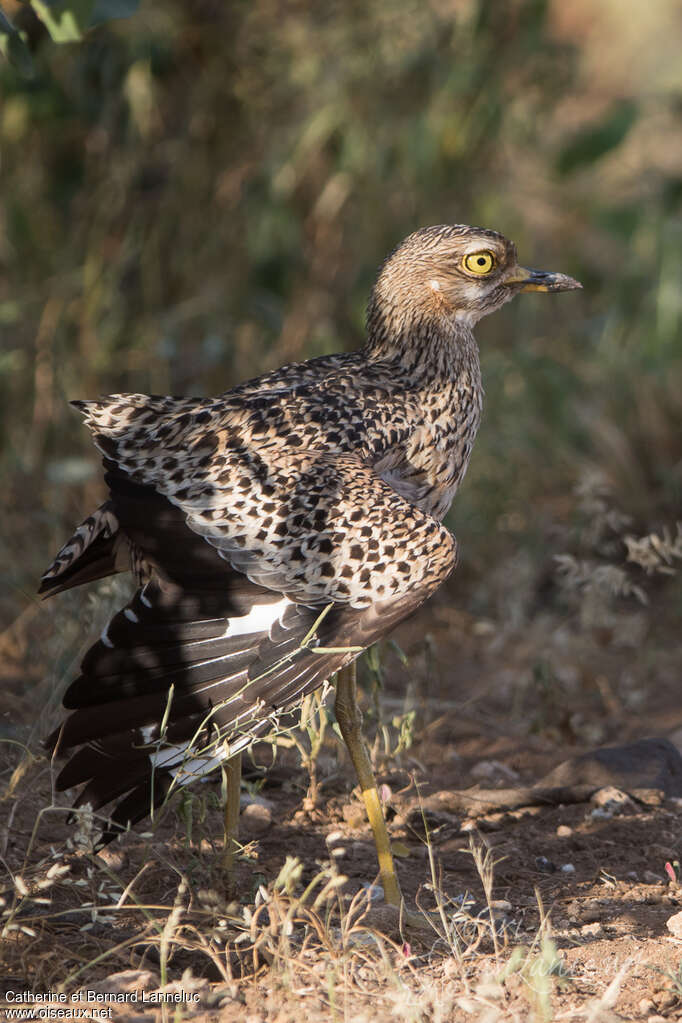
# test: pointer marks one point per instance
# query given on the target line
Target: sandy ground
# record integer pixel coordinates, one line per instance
(580, 895)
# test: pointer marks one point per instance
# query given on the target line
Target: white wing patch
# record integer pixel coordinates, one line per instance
(184, 767)
(179, 759)
(260, 618)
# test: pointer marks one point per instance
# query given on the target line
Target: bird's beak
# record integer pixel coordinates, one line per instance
(541, 280)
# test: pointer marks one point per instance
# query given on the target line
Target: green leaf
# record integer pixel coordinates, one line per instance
(13, 47)
(593, 142)
(65, 20)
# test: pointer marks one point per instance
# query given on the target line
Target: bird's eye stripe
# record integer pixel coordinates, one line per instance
(479, 262)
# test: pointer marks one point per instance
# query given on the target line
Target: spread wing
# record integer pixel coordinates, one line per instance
(262, 575)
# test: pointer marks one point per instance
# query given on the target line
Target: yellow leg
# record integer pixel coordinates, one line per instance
(233, 776)
(349, 717)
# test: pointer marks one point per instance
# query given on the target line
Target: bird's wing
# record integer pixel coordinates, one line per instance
(309, 559)
(309, 523)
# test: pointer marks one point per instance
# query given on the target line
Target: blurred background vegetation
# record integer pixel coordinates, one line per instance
(202, 191)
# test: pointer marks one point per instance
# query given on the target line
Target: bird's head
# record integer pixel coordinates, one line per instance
(455, 272)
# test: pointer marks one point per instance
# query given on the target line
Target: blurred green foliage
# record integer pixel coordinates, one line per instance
(65, 20)
(595, 140)
(203, 191)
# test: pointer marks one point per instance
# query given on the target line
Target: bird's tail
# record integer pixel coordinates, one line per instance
(95, 550)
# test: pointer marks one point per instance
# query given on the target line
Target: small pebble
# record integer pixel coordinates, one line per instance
(650, 797)
(674, 925)
(563, 831)
(573, 910)
(567, 868)
(593, 930)
(123, 981)
(256, 819)
(591, 912)
(544, 865)
(114, 857)
(611, 798)
(650, 878)
(601, 813)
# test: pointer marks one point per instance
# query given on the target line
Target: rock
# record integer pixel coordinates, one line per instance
(674, 924)
(544, 865)
(573, 910)
(650, 797)
(435, 820)
(256, 819)
(567, 868)
(383, 918)
(593, 930)
(126, 981)
(114, 856)
(563, 831)
(647, 764)
(601, 813)
(611, 799)
(592, 912)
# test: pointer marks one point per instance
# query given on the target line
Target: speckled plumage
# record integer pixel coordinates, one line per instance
(309, 499)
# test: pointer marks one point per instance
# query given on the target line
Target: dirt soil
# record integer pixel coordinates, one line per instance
(580, 895)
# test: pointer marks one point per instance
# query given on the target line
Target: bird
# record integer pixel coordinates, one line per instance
(275, 532)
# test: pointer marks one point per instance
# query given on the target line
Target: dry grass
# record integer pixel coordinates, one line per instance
(314, 939)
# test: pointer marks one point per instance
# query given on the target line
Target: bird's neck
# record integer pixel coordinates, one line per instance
(430, 344)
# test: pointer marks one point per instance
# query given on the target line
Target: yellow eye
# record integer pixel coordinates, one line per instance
(479, 262)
